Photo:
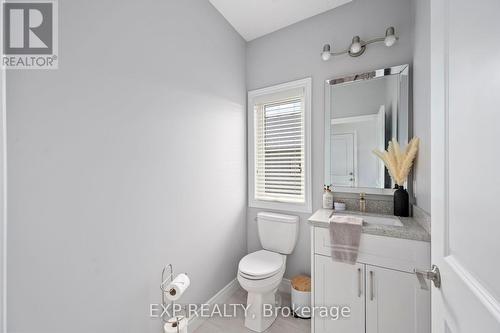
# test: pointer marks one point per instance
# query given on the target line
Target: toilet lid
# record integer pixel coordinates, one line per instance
(261, 264)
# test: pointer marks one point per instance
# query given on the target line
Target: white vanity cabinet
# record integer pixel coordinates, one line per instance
(395, 302)
(381, 289)
(338, 284)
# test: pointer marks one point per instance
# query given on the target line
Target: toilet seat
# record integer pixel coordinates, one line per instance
(261, 265)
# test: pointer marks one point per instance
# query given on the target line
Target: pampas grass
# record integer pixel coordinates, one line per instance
(397, 161)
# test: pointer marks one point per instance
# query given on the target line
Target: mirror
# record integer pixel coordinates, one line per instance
(364, 112)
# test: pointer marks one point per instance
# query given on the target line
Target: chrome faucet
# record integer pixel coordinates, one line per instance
(362, 202)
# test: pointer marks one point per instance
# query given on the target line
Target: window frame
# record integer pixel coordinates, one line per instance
(306, 207)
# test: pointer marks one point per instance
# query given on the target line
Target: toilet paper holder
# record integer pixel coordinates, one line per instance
(165, 285)
(165, 281)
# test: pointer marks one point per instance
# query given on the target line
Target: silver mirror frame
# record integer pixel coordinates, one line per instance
(352, 78)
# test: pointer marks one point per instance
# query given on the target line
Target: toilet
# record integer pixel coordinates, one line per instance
(260, 273)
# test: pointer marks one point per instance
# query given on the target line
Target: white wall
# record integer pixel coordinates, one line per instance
(129, 157)
(368, 172)
(3, 189)
(3, 197)
(294, 52)
(422, 101)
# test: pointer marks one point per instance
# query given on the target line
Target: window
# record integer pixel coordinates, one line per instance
(279, 147)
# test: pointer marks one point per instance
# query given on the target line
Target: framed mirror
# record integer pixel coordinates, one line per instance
(364, 112)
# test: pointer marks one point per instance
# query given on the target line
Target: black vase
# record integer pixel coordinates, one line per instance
(401, 202)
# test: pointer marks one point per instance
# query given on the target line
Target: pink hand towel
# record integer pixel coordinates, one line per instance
(345, 233)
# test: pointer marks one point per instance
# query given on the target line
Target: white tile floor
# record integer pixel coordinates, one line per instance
(236, 324)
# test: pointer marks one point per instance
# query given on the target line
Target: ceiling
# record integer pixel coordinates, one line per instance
(256, 18)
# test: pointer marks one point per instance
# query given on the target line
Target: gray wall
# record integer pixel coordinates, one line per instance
(129, 157)
(294, 53)
(422, 101)
(359, 99)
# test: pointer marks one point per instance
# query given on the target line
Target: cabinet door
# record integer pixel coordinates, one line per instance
(337, 284)
(395, 302)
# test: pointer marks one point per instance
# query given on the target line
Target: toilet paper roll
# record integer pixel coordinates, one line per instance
(177, 287)
(176, 325)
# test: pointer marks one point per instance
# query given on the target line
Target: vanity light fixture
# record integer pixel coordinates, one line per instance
(326, 54)
(358, 46)
(390, 37)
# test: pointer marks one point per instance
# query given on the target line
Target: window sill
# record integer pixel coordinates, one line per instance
(283, 206)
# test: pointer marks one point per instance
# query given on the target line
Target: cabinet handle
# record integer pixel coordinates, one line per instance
(360, 281)
(372, 296)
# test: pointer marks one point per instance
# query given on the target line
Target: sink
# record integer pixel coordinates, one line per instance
(324, 215)
(383, 220)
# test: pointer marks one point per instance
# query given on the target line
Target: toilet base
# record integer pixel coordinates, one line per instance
(258, 318)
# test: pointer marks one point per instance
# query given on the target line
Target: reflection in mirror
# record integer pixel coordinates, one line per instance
(364, 112)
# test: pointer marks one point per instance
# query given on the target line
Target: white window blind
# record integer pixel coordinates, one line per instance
(280, 151)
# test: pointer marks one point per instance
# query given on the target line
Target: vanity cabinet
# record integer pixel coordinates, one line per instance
(381, 289)
(381, 300)
(395, 302)
(339, 284)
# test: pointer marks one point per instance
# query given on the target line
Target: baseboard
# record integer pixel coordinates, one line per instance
(221, 297)
(285, 286)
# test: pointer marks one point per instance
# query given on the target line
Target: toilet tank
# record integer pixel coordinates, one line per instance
(278, 232)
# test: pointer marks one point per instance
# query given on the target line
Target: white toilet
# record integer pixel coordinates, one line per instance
(260, 273)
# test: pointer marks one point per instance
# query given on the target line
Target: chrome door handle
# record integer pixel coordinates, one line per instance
(360, 282)
(433, 275)
(372, 295)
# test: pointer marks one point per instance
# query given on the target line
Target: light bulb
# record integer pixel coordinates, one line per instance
(390, 40)
(325, 55)
(356, 45)
(390, 37)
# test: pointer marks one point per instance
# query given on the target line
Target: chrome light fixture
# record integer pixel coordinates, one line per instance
(390, 37)
(356, 49)
(358, 46)
(326, 54)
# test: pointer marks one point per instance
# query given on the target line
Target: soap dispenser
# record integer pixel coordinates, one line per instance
(362, 202)
(327, 197)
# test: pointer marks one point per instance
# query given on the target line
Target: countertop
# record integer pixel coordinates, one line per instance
(411, 229)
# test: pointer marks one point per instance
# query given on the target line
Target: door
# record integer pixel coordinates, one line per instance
(3, 191)
(395, 302)
(465, 127)
(339, 284)
(342, 159)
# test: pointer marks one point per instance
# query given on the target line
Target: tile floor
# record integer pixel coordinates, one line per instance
(236, 324)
